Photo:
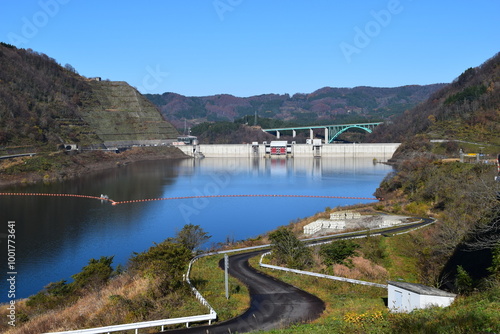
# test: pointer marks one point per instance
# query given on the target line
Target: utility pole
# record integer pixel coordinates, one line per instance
(226, 278)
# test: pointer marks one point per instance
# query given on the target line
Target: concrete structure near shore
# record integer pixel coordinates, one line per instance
(342, 220)
(380, 151)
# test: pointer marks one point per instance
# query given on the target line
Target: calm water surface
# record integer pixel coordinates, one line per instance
(55, 237)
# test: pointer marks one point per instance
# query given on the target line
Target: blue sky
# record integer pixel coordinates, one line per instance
(251, 47)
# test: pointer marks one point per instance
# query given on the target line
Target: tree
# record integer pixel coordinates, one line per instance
(338, 252)
(70, 68)
(463, 281)
(192, 236)
(486, 234)
(287, 249)
(95, 274)
(494, 269)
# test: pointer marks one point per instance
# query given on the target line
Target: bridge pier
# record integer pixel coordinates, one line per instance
(331, 131)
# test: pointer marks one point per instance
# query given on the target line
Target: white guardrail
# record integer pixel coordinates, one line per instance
(302, 272)
(165, 322)
(212, 315)
(146, 324)
(337, 278)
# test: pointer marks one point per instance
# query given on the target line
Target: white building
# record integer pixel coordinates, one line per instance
(405, 297)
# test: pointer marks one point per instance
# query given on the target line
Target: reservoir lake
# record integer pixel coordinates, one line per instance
(57, 236)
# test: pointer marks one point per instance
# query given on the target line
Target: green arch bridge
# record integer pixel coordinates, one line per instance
(331, 131)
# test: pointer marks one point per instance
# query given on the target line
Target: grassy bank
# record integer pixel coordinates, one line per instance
(360, 309)
(209, 280)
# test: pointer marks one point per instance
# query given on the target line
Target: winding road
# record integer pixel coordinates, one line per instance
(273, 303)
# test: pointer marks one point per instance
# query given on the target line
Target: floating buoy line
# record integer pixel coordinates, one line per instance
(105, 198)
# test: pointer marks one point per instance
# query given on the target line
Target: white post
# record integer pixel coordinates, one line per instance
(278, 134)
(226, 278)
(311, 134)
(294, 133)
(327, 139)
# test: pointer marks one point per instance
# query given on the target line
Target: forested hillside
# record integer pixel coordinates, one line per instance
(462, 249)
(43, 104)
(38, 98)
(326, 105)
(467, 109)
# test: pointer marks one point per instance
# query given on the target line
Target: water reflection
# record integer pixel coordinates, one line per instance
(57, 236)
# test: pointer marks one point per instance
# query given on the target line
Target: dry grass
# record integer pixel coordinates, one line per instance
(340, 297)
(95, 309)
(362, 269)
(7, 163)
(74, 316)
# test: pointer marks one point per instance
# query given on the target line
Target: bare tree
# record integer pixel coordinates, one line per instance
(486, 232)
(192, 236)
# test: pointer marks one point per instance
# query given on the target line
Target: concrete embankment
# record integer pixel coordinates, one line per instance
(379, 151)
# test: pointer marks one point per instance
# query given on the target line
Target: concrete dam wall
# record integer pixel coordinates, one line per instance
(379, 151)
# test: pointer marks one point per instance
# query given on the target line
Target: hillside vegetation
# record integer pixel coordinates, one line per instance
(43, 105)
(463, 196)
(150, 287)
(460, 252)
(40, 101)
(467, 109)
(324, 106)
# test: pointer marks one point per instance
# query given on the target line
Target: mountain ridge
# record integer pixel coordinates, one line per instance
(325, 105)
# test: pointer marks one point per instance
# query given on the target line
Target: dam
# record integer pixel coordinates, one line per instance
(380, 151)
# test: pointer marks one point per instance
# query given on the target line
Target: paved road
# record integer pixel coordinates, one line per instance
(273, 304)
(17, 155)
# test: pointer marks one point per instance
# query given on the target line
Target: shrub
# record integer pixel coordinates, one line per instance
(95, 274)
(53, 295)
(288, 250)
(164, 264)
(339, 252)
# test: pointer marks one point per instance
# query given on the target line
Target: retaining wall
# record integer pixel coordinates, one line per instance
(380, 151)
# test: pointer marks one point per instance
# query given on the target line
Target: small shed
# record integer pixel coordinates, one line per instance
(405, 297)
